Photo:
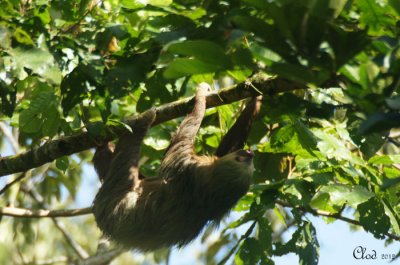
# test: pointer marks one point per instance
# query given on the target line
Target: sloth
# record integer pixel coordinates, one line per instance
(190, 192)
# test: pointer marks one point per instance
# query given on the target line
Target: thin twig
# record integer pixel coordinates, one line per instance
(14, 181)
(233, 250)
(102, 258)
(8, 134)
(30, 213)
(56, 260)
(78, 249)
(336, 216)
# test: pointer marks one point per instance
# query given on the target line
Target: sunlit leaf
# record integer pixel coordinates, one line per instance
(385, 159)
(339, 194)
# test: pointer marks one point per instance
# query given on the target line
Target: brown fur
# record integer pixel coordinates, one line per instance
(190, 192)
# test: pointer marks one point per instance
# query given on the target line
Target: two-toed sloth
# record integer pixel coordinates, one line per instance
(190, 192)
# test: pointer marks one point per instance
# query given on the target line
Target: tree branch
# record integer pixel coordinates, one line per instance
(76, 143)
(11, 183)
(336, 216)
(234, 248)
(8, 134)
(102, 258)
(28, 213)
(56, 260)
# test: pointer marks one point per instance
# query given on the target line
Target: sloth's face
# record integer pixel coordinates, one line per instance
(245, 156)
(238, 164)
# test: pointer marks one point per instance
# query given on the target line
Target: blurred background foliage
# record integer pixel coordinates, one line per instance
(330, 150)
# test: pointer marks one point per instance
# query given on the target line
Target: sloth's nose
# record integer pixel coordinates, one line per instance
(249, 153)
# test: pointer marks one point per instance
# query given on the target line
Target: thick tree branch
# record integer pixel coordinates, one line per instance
(28, 213)
(73, 144)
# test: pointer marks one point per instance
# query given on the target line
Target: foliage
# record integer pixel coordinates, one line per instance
(324, 150)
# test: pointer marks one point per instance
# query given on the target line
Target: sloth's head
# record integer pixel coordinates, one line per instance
(237, 166)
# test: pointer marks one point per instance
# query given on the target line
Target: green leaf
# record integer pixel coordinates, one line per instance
(280, 214)
(160, 2)
(379, 122)
(331, 146)
(265, 235)
(391, 172)
(183, 67)
(390, 182)
(205, 51)
(8, 98)
(272, 167)
(41, 115)
(396, 5)
(22, 36)
(43, 14)
(226, 114)
(384, 159)
(306, 137)
(340, 194)
(156, 143)
(283, 135)
(239, 75)
(262, 29)
(243, 58)
(62, 163)
(375, 16)
(251, 252)
(393, 216)
(75, 85)
(128, 72)
(256, 211)
(128, 4)
(337, 6)
(298, 191)
(296, 72)
(372, 143)
(268, 198)
(373, 217)
(30, 121)
(303, 242)
(51, 122)
(308, 246)
(346, 44)
(38, 60)
(96, 129)
(321, 201)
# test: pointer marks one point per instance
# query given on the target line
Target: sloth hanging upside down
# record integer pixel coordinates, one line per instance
(190, 192)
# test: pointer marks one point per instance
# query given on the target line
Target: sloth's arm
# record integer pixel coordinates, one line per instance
(236, 137)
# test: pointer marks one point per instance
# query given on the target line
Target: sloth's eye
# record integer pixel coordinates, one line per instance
(239, 158)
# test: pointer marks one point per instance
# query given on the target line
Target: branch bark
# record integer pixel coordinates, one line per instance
(254, 86)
